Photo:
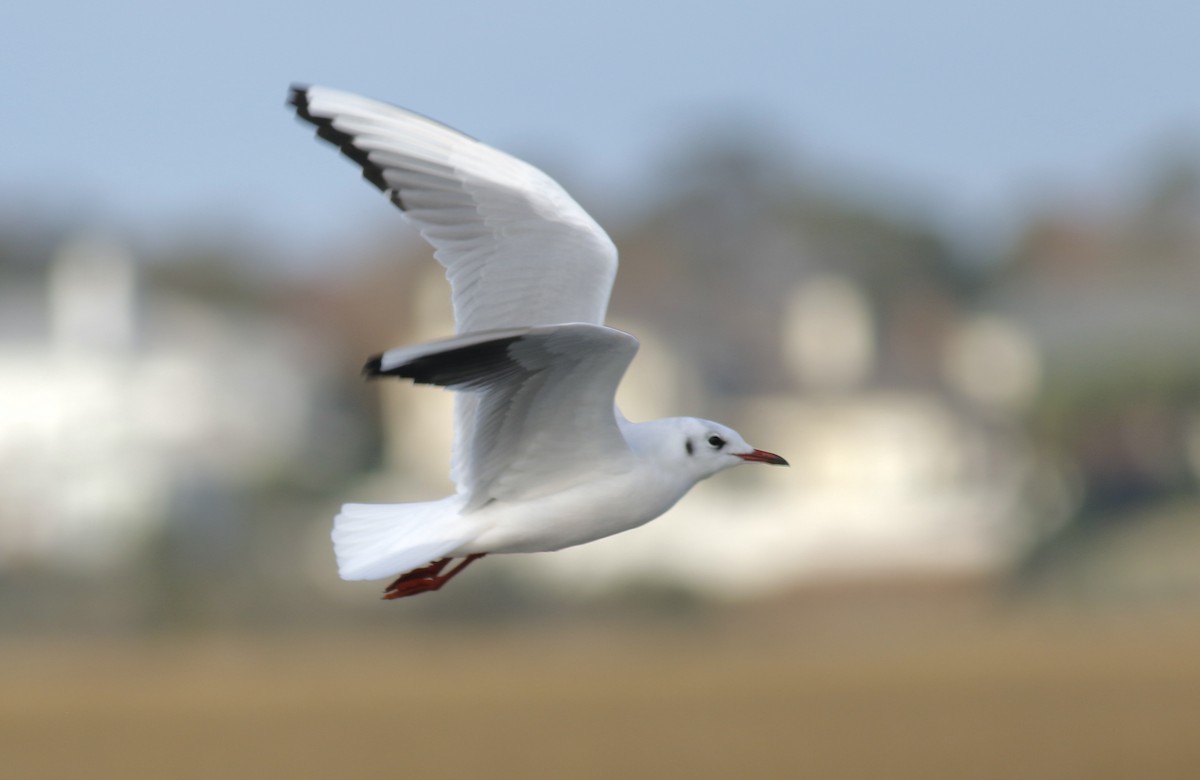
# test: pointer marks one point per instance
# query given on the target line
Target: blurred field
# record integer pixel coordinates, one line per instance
(804, 688)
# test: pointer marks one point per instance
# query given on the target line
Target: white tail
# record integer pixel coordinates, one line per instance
(373, 541)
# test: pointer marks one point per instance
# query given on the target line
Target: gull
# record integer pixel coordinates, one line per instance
(543, 459)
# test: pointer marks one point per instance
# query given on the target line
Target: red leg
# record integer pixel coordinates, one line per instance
(427, 578)
(429, 570)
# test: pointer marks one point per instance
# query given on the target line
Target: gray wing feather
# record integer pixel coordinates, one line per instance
(545, 413)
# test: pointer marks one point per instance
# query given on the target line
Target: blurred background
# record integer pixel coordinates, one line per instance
(945, 258)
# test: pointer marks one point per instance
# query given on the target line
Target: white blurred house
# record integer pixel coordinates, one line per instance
(111, 398)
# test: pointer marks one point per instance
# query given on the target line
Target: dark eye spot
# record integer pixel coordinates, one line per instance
(716, 441)
(687, 445)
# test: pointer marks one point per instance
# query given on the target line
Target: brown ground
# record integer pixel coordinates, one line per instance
(760, 692)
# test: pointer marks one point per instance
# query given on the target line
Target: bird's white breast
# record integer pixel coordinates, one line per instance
(577, 515)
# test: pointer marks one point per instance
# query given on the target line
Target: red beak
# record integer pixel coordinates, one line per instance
(762, 456)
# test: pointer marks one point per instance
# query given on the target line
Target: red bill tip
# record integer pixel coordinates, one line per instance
(762, 456)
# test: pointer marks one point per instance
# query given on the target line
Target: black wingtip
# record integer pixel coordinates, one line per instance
(460, 367)
(298, 98)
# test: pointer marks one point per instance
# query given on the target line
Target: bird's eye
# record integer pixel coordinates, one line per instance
(716, 441)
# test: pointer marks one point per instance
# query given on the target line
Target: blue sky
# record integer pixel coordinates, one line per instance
(157, 116)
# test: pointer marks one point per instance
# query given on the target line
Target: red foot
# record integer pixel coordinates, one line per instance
(427, 578)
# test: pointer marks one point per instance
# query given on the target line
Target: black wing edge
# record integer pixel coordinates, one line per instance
(374, 367)
(298, 97)
(467, 367)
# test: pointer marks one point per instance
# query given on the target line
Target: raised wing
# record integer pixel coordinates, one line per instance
(545, 417)
(517, 249)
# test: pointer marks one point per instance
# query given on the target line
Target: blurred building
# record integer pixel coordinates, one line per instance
(118, 402)
(941, 413)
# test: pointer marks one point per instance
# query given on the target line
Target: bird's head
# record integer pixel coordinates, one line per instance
(706, 447)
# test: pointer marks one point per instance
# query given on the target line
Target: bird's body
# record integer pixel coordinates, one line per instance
(543, 459)
(624, 494)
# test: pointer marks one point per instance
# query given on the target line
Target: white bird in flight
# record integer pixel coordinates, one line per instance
(542, 459)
